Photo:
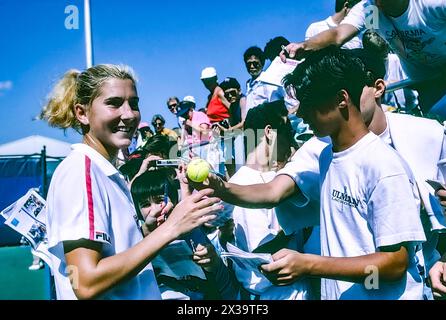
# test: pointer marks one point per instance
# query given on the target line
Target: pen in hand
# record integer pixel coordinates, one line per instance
(285, 51)
(166, 198)
(192, 244)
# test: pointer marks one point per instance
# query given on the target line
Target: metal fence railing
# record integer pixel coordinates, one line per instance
(400, 85)
(437, 111)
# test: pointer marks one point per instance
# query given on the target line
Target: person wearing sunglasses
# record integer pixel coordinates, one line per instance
(258, 91)
(237, 114)
(172, 104)
(158, 123)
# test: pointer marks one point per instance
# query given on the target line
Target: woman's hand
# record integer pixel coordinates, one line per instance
(192, 212)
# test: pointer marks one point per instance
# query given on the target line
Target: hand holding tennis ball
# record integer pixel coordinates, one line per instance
(198, 170)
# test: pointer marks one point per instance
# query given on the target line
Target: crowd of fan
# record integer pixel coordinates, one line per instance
(326, 205)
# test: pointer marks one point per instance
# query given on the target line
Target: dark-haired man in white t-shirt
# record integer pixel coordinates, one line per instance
(370, 224)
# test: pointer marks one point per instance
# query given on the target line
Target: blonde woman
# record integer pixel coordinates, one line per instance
(98, 249)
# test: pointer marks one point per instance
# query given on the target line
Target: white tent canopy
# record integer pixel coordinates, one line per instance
(34, 144)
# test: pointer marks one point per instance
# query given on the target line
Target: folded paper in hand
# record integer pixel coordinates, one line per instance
(27, 216)
(277, 70)
(247, 268)
(247, 259)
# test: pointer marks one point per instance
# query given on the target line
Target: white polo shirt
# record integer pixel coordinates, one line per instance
(258, 92)
(89, 199)
(327, 24)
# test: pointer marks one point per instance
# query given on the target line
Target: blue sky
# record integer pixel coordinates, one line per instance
(167, 43)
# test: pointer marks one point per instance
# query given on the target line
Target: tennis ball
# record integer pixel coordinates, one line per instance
(198, 170)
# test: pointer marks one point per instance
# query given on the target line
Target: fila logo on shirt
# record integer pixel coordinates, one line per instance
(102, 236)
(344, 198)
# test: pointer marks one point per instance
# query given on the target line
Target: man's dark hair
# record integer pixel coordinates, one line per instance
(229, 83)
(155, 145)
(374, 64)
(340, 4)
(270, 113)
(155, 183)
(254, 51)
(158, 145)
(274, 46)
(323, 74)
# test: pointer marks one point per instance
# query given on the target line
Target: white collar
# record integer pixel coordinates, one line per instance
(252, 82)
(96, 157)
(330, 22)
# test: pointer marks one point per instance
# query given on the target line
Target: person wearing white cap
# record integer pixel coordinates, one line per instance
(217, 106)
(142, 134)
(208, 72)
(217, 110)
(190, 99)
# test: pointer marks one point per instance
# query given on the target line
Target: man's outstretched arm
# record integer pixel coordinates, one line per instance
(335, 36)
(263, 195)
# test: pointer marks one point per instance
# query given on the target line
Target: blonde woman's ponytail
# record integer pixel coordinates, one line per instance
(59, 110)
